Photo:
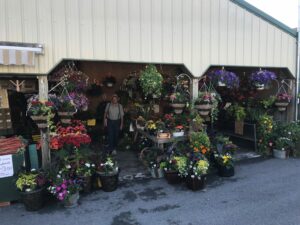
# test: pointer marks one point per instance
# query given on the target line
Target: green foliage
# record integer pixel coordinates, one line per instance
(268, 103)
(151, 81)
(237, 111)
(265, 134)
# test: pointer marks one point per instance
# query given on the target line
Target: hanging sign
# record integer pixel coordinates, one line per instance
(6, 166)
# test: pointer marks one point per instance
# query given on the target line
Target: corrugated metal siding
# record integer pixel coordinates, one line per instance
(198, 33)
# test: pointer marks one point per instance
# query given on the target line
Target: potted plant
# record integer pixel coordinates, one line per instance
(108, 172)
(151, 81)
(225, 165)
(204, 103)
(109, 81)
(239, 113)
(85, 171)
(40, 112)
(178, 101)
(179, 131)
(140, 123)
(174, 169)
(282, 101)
(66, 190)
(261, 78)
(282, 147)
(196, 172)
(151, 127)
(199, 141)
(32, 188)
(196, 123)
(66, 108)
(152, 158)
(220, 141)
(224, 78)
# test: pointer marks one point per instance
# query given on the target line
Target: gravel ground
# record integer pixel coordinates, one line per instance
(263, 192)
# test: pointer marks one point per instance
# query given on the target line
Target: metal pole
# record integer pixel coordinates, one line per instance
(298, 65)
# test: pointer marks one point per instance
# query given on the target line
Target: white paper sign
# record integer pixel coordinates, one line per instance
(6, 166)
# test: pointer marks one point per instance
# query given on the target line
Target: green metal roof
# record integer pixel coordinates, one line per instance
(265, 16)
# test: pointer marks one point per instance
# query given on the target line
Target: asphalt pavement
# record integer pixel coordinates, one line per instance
(262, 192)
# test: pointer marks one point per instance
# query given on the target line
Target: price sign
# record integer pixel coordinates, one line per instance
(6, 166)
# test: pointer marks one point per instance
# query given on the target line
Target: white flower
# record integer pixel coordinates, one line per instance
(192, 176)
(33, 170)
(58, 176)
(28, 189)
(68, 166)
(93, 165)
(87, 165)
(60, 172)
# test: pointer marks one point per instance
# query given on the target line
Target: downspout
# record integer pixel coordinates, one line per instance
(298, 65)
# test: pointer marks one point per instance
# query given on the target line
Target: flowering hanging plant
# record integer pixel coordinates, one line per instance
(262, 77)
(80, 101)
(151, 81)
(205, 98)
(283, 97)
(66, 104)
(230, 79)
(179, 97)
(35, 107)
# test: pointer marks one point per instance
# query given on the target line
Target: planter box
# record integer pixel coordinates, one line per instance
(279, 154)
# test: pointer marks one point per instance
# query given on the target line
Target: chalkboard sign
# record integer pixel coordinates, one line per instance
(6, 166)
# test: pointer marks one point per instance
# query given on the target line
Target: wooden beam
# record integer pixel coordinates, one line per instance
(43, 96)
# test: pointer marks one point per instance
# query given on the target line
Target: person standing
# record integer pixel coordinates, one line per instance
(113, 120)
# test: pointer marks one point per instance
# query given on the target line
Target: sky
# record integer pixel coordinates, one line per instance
(286, 11)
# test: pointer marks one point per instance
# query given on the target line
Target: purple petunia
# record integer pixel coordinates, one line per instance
(262, 77)
(229, 78)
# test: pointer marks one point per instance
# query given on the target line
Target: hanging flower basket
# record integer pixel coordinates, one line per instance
(282, 101)
(65, 117)
(41, 121)
(203, 106)
(261, 78)
(178, 107)
(223, 78)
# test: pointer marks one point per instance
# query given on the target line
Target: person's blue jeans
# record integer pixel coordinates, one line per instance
(113, 129)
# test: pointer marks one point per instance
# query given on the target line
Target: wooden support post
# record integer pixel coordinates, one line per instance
(43, 96)
(195, 88)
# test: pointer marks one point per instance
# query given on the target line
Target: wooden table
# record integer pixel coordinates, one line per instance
(159, 142)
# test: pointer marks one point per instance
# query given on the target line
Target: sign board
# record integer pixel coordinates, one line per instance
(6, 166)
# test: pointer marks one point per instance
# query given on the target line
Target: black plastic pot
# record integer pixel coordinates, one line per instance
(109, 182)
(173, 177)
(195, 184)
(226, 171)
(86, 184)
(33, 200)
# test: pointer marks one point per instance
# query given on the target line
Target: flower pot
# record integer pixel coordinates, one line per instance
(221, 84)
(65, 117)
(204, 112)
(156, 172)
(173, 177)
(224, 171)
(239, 127)
(178, 107)
(178, 134)
(33, 200)
(39, 118)
(41, 121)
(260, 86)
(109, 182)
(72, 200)
(279, 154)
(86, 184)
(204, 106)
(195, 183)
(281, 105)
